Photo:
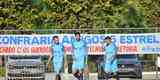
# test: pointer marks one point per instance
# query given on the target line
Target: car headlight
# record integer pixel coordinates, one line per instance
(10, 67)
(41, 66)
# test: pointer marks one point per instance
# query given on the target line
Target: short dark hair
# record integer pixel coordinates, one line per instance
(77, 33)
(55, 37)
(108, 37)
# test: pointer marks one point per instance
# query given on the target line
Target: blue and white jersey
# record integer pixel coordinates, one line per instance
(79, 49)
(110, 49)
(58, 54)
(110, 64)
(57, 51)
(79, 54)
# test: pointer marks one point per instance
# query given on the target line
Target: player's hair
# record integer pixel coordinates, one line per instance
(77, 33)
(108, 37)
(55, 37)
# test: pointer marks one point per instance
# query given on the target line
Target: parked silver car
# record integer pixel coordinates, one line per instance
(25, 68)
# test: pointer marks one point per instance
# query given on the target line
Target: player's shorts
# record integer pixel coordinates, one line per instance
(57, 66)
(110, 65)
(78, 65)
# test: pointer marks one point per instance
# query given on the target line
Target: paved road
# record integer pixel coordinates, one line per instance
(93, 76)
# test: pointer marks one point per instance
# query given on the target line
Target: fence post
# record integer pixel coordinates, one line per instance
(157, 78)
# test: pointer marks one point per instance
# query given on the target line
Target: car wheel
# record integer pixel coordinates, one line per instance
(139, 76)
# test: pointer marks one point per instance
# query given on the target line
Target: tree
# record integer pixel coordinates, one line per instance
(94, 14)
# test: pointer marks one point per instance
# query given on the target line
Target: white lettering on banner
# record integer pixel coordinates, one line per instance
(25, 40)
(148, 43)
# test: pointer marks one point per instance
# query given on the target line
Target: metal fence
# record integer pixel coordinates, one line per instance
(147, 60)
(84, 31)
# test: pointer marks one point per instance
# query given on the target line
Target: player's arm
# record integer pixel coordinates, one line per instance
(65, 58)
(50, 56)
(114, 52)
(103, 45)
(86, 55)
(73, 55)
(49, 59)
(86, 69)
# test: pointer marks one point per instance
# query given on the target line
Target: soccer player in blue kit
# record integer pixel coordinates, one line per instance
(110, 60)
(79, 56)
(57, 56)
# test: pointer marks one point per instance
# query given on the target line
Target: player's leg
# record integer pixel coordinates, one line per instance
(75, 69)
(107, 69)
(57, 69)
(58, 77)
(75, 73)
(82, 66)
(86, 72)
(115, 69)
(107, 75)
(86, 69)
(80, 74)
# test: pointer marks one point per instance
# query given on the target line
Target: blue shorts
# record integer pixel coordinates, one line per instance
(111, 66)
(78, 65)
(57, 66)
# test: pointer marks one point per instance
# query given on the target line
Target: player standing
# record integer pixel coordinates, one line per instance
(57, 56)
(79, 56)
(110, 61)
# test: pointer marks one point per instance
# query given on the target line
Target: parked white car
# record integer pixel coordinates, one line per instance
(25, 68)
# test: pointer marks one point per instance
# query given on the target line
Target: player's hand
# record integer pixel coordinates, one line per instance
(85, 59)
(49, 59)
(48, 63)
(65, 64)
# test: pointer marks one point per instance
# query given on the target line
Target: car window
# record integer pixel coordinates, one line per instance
(127, 57)
(24, 57)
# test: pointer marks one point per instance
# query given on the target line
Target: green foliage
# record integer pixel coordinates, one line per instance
(2, 71)
(51, 14)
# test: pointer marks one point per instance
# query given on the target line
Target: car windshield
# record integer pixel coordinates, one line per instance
(24, 57)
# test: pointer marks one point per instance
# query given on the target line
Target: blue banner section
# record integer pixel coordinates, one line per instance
(25, 40)
(148, 43)
(90, 39)
(139, 39)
